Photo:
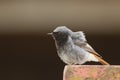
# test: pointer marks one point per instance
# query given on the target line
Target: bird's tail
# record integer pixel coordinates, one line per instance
(101, 60)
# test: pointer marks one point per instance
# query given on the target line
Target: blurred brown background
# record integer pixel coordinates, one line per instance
(27, 53)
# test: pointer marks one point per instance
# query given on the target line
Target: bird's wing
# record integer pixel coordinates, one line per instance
(88, 48)
(80, 40)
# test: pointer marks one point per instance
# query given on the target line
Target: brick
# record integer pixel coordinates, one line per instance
(91, 72)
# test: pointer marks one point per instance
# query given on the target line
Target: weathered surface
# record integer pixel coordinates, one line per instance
(91, 72)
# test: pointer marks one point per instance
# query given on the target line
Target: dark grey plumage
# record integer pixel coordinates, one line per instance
(72, 47)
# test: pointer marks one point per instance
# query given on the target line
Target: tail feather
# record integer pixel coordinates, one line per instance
(102, 61)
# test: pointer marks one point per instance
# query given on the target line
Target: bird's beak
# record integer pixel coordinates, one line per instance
(49, 33)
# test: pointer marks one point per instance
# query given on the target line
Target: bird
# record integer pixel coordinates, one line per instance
(73, 48)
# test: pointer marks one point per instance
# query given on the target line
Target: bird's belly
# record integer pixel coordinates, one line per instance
(72, 57)
(67, 58)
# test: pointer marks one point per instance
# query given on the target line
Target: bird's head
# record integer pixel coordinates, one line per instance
(61, 34)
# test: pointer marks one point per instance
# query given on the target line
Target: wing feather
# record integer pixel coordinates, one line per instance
(80, 40)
